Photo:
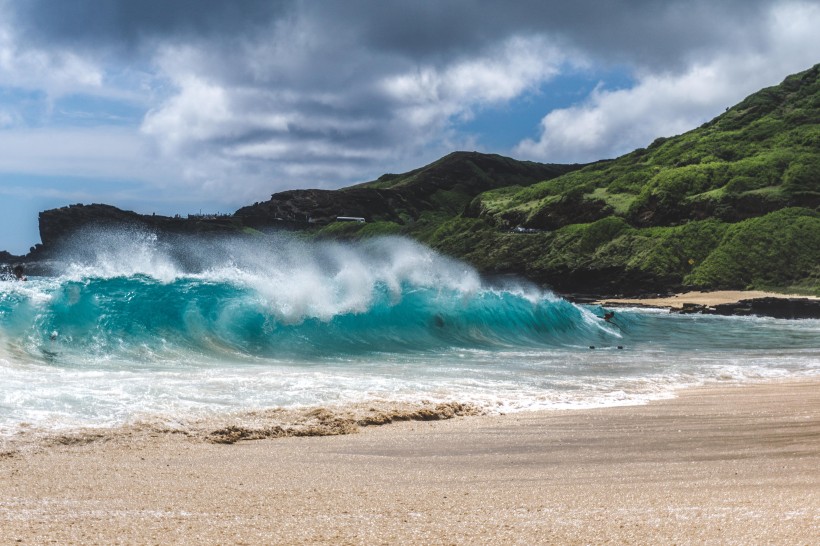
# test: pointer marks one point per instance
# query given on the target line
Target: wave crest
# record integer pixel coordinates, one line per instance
(129, 296)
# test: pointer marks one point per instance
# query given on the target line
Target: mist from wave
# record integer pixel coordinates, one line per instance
(125, 291)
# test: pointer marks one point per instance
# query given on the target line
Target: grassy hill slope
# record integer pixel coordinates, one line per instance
(731, 204)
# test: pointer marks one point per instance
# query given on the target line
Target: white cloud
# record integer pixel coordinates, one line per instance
(609, 123)
(275, 119)
(55, 72)
(101, 153)
(200, 111)
(431, 96)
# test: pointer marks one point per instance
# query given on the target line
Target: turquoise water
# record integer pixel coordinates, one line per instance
(138, 328)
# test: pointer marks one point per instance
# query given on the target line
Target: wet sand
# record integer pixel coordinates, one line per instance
(709, 299)
(721, 464)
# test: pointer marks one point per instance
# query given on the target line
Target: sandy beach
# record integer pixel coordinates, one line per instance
(720, 464)
(709, 299)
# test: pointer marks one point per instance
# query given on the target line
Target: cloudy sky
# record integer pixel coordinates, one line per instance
(177, 106)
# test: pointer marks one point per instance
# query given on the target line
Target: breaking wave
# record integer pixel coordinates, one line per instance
(128, 295)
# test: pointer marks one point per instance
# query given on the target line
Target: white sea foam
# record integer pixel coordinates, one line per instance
(297, 279)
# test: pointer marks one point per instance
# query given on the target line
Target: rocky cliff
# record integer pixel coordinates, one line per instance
(58, 224)
(302, 208)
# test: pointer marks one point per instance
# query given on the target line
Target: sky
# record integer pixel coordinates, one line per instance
(187, 106)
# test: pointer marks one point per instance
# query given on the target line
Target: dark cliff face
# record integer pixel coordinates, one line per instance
(58, 224)
(7, 257)
(305, 207)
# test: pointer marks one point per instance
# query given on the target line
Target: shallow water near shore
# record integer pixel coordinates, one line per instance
(138, 329)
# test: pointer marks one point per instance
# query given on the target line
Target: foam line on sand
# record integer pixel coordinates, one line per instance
(720, 464)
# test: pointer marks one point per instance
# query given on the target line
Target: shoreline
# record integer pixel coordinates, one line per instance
(710, 299)
(727, 463)
(726, 302)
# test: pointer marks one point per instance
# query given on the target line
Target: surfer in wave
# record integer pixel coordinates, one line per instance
(608, 318)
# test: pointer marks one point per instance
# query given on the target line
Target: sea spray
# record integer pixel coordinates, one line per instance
(283, 297)
(144, 327)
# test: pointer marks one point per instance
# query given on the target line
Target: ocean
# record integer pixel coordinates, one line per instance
(142, 329)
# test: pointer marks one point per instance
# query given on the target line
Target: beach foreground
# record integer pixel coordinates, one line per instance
(726, 464)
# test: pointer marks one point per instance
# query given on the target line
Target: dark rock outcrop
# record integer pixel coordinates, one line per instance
(8, 258)
(603, 280)
(58, 224)
(297, 208)
(784, 308)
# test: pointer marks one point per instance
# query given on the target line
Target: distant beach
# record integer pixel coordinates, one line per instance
(711, 298)
(718, 464)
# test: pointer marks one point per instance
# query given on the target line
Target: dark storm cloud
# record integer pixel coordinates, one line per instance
(123, 24)
(658, 31)
(648, 30)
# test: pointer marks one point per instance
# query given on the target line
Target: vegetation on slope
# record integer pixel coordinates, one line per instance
(759, 156)
(731, 204)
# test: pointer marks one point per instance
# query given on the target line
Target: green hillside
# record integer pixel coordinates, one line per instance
(759, 156)
(408, 203)
(731, 204)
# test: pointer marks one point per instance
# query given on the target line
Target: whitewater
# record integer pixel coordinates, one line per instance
(137, 327)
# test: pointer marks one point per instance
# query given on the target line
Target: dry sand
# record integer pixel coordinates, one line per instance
(722, 464)
(700, 298)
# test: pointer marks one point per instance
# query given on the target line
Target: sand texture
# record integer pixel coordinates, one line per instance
(717, 465)
(709, 299)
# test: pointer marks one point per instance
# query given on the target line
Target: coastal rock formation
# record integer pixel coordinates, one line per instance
(301, 208)
(447, 185)
(785, 308)
(57, 224)
(7, 258)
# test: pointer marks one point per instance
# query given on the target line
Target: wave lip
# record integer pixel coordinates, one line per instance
(139, 318)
